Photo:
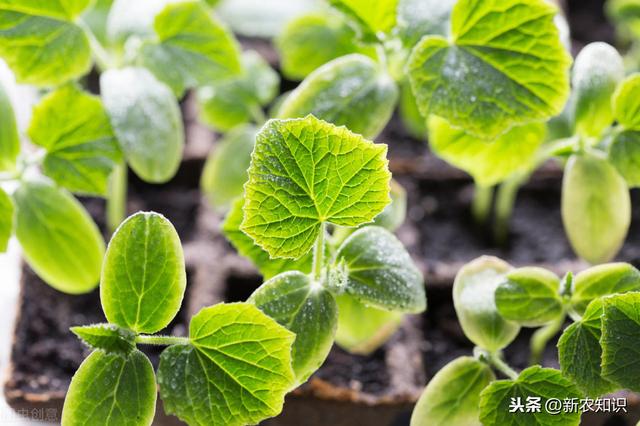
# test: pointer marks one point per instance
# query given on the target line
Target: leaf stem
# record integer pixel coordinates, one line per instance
(505, 202)
(482, 203)
(496, 361)
(318, 254)
(102, 56)
(117, 196)
(541, 338)
(144, 339)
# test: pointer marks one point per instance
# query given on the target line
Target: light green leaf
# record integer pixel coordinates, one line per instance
(225, 171)
(235, 372)
(624, 154)
(597, 70)
(193, 49)
(147, 122)
(108, 337)
(395, 213)
(410, 115)
(310, 41)
(41, 49)
(111, 390)
(373, 16)
(9, 139)
(267, 266)
(305, 308)
(418, 18)
(473, 298)
(626, 102)
(529, 296)
(96, 19)
(59, 239)
(489, 162)
(452, 396)
(620, 337)
(75, 130)
(235, 101)
(579, 353)
(143, 277)
(379, 271)
(352, 91)
(133, 19)
(596, 208)
(534, 382)
(625, 14)
(485, 78)
(363, 329)
(6, 220)
(306, 172)
(603, 280)
(66, 10)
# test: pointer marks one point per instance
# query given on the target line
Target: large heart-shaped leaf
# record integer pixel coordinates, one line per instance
(235, 371)
(9, 139)
(143, 277)
(306, 172)
(502, 65)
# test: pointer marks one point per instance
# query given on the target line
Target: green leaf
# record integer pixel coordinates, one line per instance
(625, 14)
(306, 172)
(235, 372)
(108, 337)
(96, 19)
(305, 308)
(41, 44)
(9, 139)
(6, 220)
(396, 211)
(597, 70)
(534, 382)
(603, 280)
(579, 353)
(267, 266)
(147, 122)
(624, 154)
(362, 329)
(352, 91)
(133, 19)
(75, 130)
(59, 239)
(474, 300)
(143, 278)
(488, 162)
(379, 271)
(193, 49)
(626, 102)
(310, 41)
(596, 207)
(486, 78)
(410, 115)
(418, 18)
(620, 336)
(235, 101)
(529, 296)
(225, 171)
(373, 16)
(452, 396)
(110, 390)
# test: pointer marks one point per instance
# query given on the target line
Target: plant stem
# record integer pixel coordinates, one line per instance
(144, 339)
(102, 56)
(318, 254)
(117, 196)
(505, 201)
(496, 361)
(482, 203)
(541, 338)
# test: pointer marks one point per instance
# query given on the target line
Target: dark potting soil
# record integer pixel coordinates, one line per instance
(589, 23)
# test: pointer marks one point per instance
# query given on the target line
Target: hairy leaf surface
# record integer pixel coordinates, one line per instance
(108, 337)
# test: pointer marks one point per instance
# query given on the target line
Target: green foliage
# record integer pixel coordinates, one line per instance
(596, 209)
(626, 102)
(74, 129)
(235, 370)
(192, 48)
(108, 337)
(41, 43)
(379, 272)
(620, 334)
(9, 140)
(59, 239)
(143, 277)
(418, 18)
(339, 178)
(473, 298)
(603, 280)
(371, 16)
(535, 381)
(395, 212)
(489, 162)
(597, 70)
(410, 115)
(452, 396)
(132, 19)
(529, 296)
(146, 120)
(481, 78)
(353, 91)
(6, 220)
(624, 154)
(305, 308)
(110, 389)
